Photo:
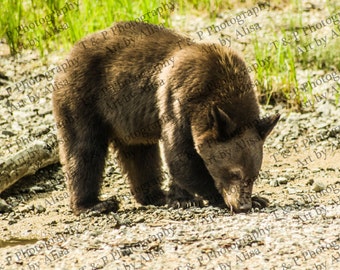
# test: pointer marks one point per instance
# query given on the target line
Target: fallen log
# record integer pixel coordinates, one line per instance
(37, 155)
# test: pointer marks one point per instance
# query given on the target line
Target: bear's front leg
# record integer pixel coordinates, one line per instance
(259, 202)
(180, 198)
(188, 173)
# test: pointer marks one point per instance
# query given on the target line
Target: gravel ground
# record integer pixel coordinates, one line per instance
(300, 176)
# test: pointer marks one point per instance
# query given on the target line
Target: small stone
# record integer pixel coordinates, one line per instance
(37, 189)
(4, 207)
(318, 186)
(39, 208)
(8, 133)
(282, 180)
(299, 203)
(274, 183)
(324, 109)
(291, 190)
(10, 222)
(310, 182)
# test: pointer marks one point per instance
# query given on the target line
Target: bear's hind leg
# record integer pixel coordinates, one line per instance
(142, 164)
(83, 149)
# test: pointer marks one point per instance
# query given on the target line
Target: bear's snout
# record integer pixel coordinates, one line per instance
(237, 200)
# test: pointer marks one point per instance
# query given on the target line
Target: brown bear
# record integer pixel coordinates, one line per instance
(140, 86)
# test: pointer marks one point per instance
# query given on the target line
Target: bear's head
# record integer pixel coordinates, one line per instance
(233, 155)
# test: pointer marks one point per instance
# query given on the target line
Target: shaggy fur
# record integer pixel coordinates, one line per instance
(138, 85)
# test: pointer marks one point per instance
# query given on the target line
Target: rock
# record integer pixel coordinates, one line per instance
(37, 189)
(274, 183)
(282, 180)
(10, 222)
(8, 133)
(324, 109)
(318, 186)
(310, 182)
(291, 190)
(27, 208)
(4, 207)
(39, 208)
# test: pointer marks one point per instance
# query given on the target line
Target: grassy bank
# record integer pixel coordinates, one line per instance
(60, 23)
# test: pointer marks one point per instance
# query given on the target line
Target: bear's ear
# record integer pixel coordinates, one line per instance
(220, 123)
(265, 126)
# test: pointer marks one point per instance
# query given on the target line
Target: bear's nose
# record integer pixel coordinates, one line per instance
(244, 207)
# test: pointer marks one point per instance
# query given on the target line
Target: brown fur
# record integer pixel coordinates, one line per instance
(133, 95)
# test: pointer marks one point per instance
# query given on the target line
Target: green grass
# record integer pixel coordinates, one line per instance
(91, 16)
(276, 80)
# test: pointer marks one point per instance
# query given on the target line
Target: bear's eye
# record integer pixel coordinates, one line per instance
(249, 181)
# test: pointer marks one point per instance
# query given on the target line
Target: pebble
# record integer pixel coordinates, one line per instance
(4, 207)
(282, 180)
(37, 189)
(39, 209)
(12, 221)
(318, 186)
(274, 183)
(291, 190)
(8, 133)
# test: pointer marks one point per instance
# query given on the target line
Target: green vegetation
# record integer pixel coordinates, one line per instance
(72, 24)
(290, 50)
(275, 81)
